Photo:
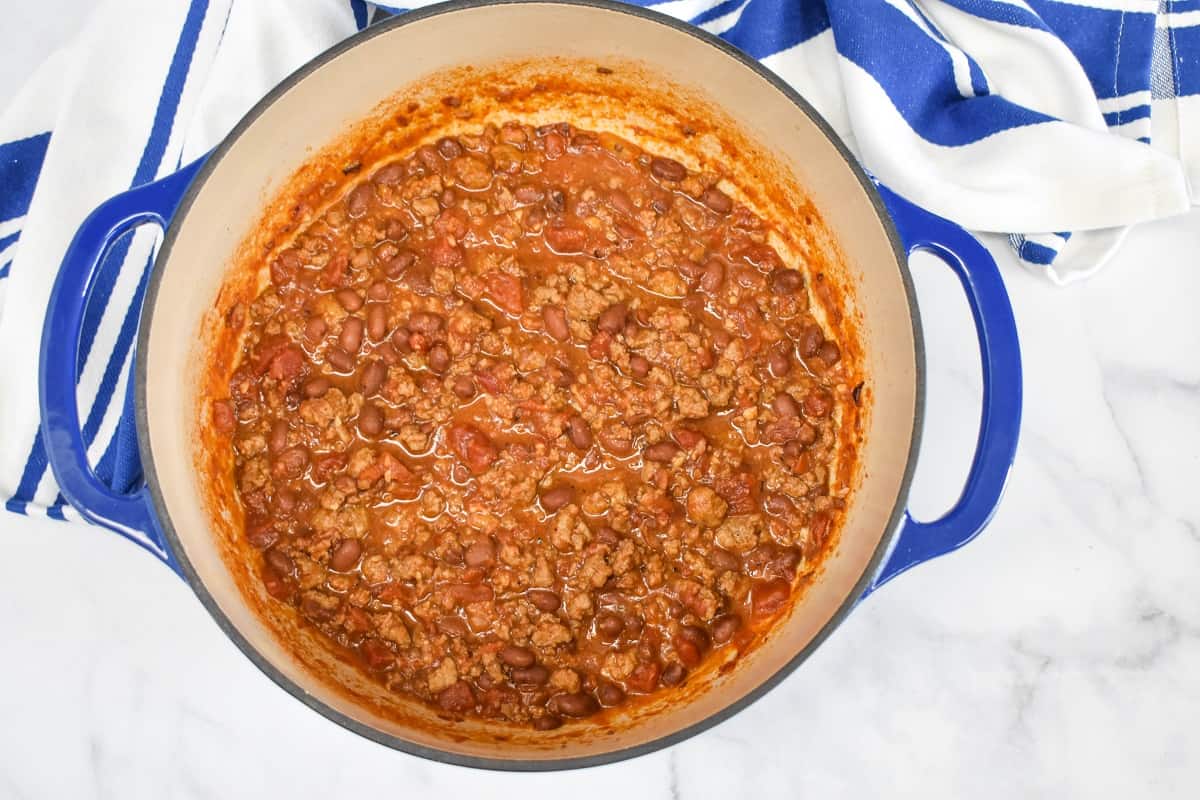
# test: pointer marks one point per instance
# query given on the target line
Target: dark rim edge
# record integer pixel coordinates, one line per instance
(444, 756)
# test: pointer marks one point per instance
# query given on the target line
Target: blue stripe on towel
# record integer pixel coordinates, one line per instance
(921, 85)
(20, 164)
(147, 169)
(767, 27)
(359, 7)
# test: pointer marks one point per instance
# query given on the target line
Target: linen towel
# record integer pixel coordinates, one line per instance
(1059, 123)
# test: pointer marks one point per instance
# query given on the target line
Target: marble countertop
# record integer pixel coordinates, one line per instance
(1058, 655)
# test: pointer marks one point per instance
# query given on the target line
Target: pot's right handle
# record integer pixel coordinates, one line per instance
(131, 515)
(1000, 421)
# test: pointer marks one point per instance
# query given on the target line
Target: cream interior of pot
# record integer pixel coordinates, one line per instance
(792, 153)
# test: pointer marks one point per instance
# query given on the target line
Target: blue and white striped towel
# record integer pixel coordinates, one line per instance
(1023, 117)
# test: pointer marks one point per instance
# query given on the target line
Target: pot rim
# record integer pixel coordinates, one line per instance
(433, 753)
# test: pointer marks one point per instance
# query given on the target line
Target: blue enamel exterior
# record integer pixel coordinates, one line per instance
(130, 515)
(1000, 421)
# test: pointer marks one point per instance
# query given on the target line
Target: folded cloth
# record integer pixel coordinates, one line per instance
(1032, 116)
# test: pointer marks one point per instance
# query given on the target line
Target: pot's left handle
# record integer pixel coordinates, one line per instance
(131, 515)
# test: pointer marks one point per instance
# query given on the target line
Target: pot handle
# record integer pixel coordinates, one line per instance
(131, 515)
(1000, 421)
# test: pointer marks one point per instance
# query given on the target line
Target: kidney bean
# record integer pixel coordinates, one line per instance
(377, 321)
(316, 387)
(350, 339)
(610, 694)
(713, 277)
(537, 675)
(439, 358)
(687, 652)
(579, 432)
(544, 599)
(314, 330)
(277, 440)
(370, 420)
(346, 555)
(810, 341)
(547, 723)
(667, 169)
(784, 405)
(466, 593)
(480, 553)
(639, 366)
(373, 376)
(785, 281)
(358, 200)
(426, 322)
(449, 148)
(609, 626)
(673, 674)
(724, 627)
(279, 561)
(724, 560)
(818, 403)
(612, 319)
(778, 505)
(262, 533)
(564, 378)
(349, 299)
(339, 359)
(555, 320)
(779, 359)
(577, 704)
(784, 563)
(557, 497)
(696, 634)
(290, 463)
(662, 453)
(400, 264)
(463, 387)
(717, 200)
(768, 597)
(389, 175)
(830, 353)
(457, 697)
(388, 355)
(514, 656)
(379, 291)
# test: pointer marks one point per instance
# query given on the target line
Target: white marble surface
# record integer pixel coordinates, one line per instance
(1056, 656)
